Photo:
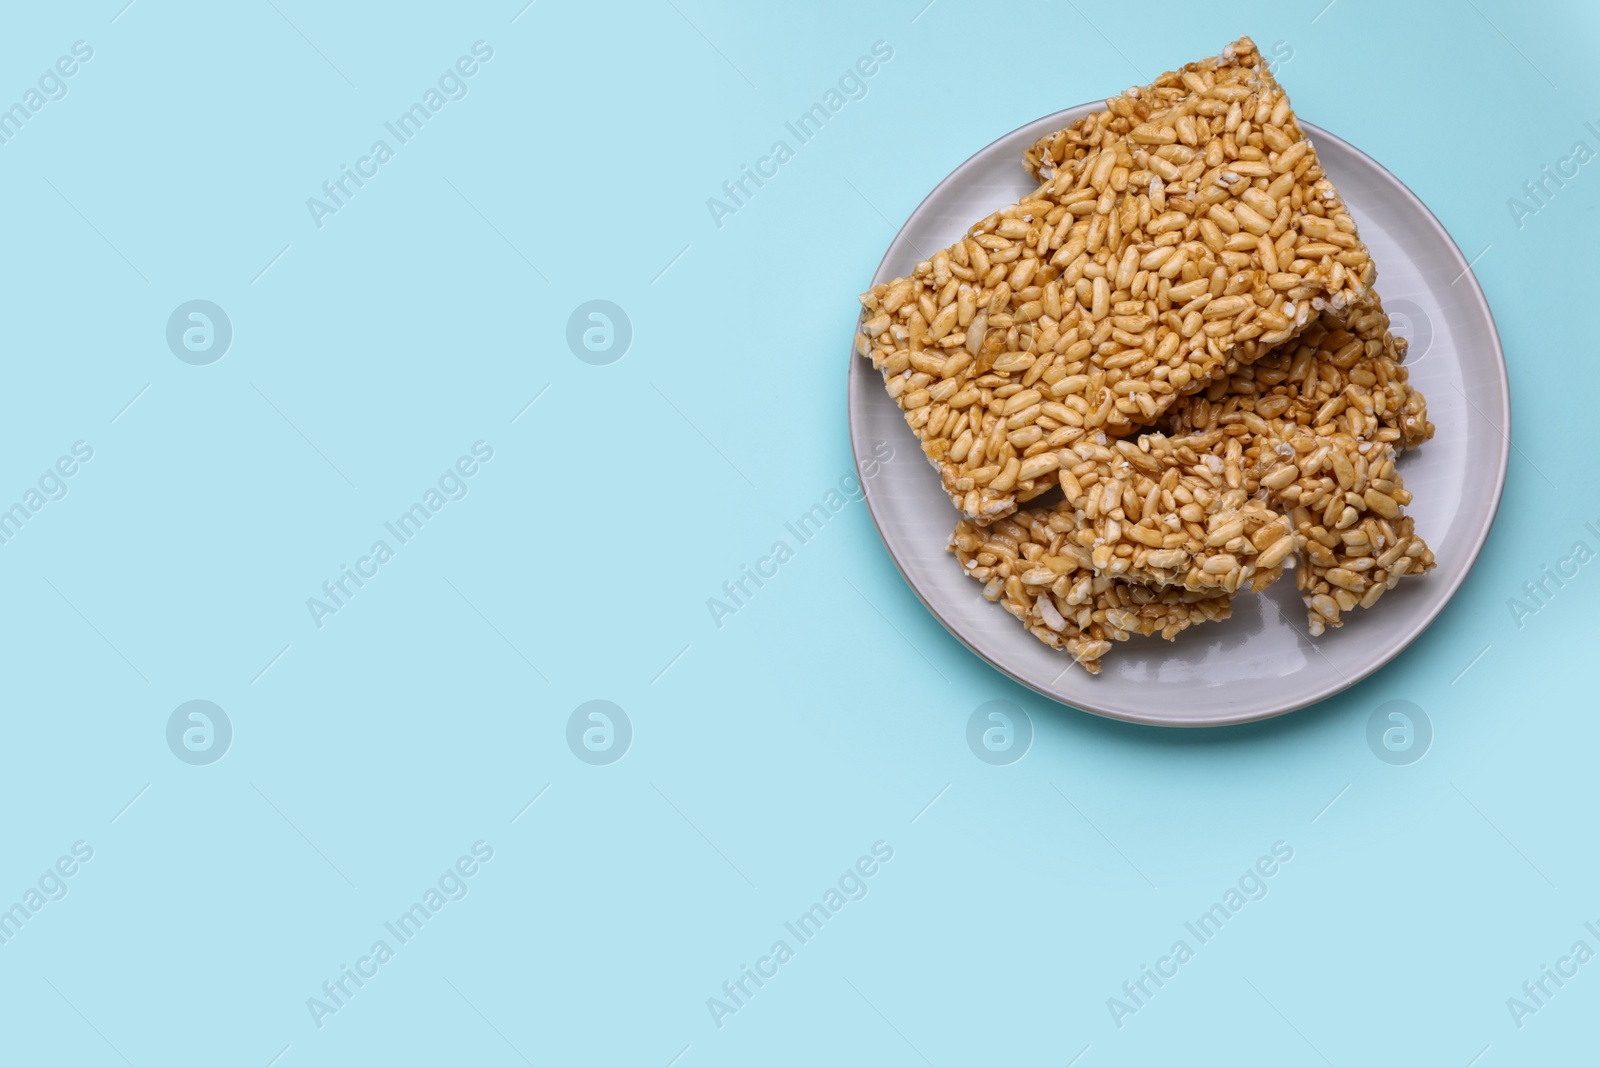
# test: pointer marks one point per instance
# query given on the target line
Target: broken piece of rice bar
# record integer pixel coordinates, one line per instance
(1344, 498)
(1027, 566)
(1144, 270)
(1363, 562)
(1178, 511)
(1329, 379)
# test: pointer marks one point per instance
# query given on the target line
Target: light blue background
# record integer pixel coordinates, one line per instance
(770, 753)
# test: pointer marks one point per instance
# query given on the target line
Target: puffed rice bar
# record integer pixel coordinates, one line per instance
(1036, 574)
(1330, 379)
(1141, 272)
(1171, 512)
(1344, 499)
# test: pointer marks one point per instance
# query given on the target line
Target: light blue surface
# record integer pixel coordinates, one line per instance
(768, 754)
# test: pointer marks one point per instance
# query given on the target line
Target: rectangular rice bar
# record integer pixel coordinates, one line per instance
(1180, 511)
(1145, 269)
(1026, 567)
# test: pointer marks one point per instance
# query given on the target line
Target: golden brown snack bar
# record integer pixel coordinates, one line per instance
(1145, 269)
(1364, 561)
(1027, 567)
(1344, 499)
(1171, 512)
(1329, 379)
(1187, 273)
(1236, 63)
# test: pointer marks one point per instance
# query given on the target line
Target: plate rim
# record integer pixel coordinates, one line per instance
(1226, 718)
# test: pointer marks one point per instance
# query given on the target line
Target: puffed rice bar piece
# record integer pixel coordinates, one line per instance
(1027, 567)
(1178, 511)
(1344, 499)
(1329, 380)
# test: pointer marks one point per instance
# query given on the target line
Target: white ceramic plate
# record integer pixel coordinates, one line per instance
(1259, 663)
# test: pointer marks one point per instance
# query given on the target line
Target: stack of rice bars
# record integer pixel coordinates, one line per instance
(1179, 329)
